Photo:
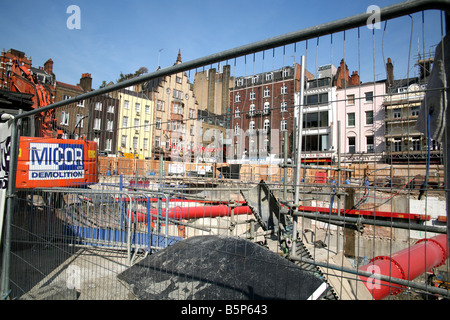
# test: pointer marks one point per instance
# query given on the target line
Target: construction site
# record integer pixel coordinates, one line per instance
(231, 201)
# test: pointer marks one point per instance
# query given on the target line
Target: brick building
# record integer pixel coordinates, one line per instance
(262, 108)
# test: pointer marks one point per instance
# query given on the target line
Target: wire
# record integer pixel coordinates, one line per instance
(425, 183)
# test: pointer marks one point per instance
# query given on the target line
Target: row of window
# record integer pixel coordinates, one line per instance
(173, 143)
(124, 142)
(266, 109)
(266, 126)
(268, 76)
(351, 118)
(351, 99)
(370, 145)
(126, 105)
(266, 94)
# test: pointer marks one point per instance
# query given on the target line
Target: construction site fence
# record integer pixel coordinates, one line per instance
(340, 194)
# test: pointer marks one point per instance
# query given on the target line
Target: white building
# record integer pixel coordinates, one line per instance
(319, 118)
(360, 111)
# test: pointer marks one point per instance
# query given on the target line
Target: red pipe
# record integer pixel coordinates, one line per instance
(406, 264)
(192, 212)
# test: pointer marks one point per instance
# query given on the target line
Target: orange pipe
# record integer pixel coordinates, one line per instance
(406, 264)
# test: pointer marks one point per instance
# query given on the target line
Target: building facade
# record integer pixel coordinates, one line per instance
(176, 130)
(360, 112)
(101, 123)
(318, 135)
(134, 125)
(404, 143)
(262, 109)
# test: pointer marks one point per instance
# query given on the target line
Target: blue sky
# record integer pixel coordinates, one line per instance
(122, 36)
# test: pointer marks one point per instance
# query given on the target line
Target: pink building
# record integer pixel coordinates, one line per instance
(361, 115)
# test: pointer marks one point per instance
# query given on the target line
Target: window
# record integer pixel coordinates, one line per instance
(415, 144)
(369, 96)
(237, 129)
(350, 99)
(397, 145)
(108, 145)
(64, 118)
(177, 94)
(137, 123)
(110, 125)
(266, 125)
(110, 109)
(252, 146)
(284, 106)
(137, 107)
(266, 145)
(251, 126)
(266, 107)
(147, 125)
(191, 113)
(370, 144)
(178, 79)
(79, 123)
(98, 106)
(316, 142)
(397, 113)
(125, 122)
(315, 119)
(286, 72)
(191, 130)
(158, 123)
(255, 79)
(415, 111)
(159, 105)
(126, 104)
(147, 109)
(237, 113)
(266, 92)
(80, 104)
(237, 98)
(135, 142)
(351, 119)
(269, 76)
(157, 142)
(252, 95)
(369, 117)
(316, 99)
(239, 82)
(252, 110)
(284, 89)
(145, 144)
(97, 123)
(66, 97)
(351, 144)
(123, 141)
(283, 125)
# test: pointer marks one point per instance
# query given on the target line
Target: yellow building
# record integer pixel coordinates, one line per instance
(176, 131)
(135, 125)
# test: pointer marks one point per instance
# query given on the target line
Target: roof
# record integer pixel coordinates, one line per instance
(69, 86)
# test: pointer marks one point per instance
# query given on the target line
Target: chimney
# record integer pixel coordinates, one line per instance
(389, 72)
(354, 79)
(86, 82)
(48, 66)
